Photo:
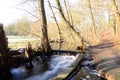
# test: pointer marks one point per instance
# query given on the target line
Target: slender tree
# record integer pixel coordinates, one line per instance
(92, 16)
(60, 34)
(117, 16)
(77, 38)
(41, 16)
(44, 41)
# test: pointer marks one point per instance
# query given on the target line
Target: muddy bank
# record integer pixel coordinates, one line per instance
(108, 62)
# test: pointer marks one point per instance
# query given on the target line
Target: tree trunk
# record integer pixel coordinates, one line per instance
(3, 46)
(3, 40)
(117, 16)
(75, 35)
(44, 41)
(60, 34)
(92, 17)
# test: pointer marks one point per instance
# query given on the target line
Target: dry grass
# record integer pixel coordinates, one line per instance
(101, 37)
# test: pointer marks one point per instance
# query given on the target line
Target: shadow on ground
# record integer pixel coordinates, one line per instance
(108, 64)
(107, 59)
(105, 45)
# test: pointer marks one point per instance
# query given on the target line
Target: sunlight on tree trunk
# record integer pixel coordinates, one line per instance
(66, 9)
(92, 17)
(75, 35)
(59, 30)
(117, 16)
(44, 41)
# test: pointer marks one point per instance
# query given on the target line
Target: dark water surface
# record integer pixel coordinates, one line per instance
(62, 57)
(45, 71)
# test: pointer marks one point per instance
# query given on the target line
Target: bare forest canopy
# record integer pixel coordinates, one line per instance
(96, 21)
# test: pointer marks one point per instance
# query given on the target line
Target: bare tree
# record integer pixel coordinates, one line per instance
(60, 35)
(77, 38)
(117, 16)
(44, 41)
(92, 16)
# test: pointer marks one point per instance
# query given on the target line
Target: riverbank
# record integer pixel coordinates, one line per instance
(107, 57)
(66, 72)
(82, 69)
(107, 63)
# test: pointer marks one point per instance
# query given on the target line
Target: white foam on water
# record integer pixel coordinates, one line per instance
(17, 70)
(57, 64)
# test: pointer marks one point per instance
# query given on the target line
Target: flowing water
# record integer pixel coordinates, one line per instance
(54, 66)
(46, 71)
(43, 71)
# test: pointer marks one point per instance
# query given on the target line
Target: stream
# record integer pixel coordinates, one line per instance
(44, 71)
(58, 63)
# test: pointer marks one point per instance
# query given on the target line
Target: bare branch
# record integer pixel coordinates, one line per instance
(66, 8)
(29, 13)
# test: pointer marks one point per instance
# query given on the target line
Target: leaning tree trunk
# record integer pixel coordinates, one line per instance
(44, 41)
(77, 38)
(60, 34)
(117, 16)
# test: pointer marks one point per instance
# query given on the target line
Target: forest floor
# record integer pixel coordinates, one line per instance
(107, 57)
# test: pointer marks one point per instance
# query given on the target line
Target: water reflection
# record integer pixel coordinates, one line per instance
(21, 73)
(64, 46)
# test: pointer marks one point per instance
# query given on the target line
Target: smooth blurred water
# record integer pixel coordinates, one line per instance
(56, 65)
(44, 71)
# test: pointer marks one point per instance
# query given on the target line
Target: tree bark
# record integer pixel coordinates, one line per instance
(3, 40)
(3, 46)
(75, 35)
(60, 34)
(44, 41)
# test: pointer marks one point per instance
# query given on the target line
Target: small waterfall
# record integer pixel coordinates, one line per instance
(56, 65)
(17, 71)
